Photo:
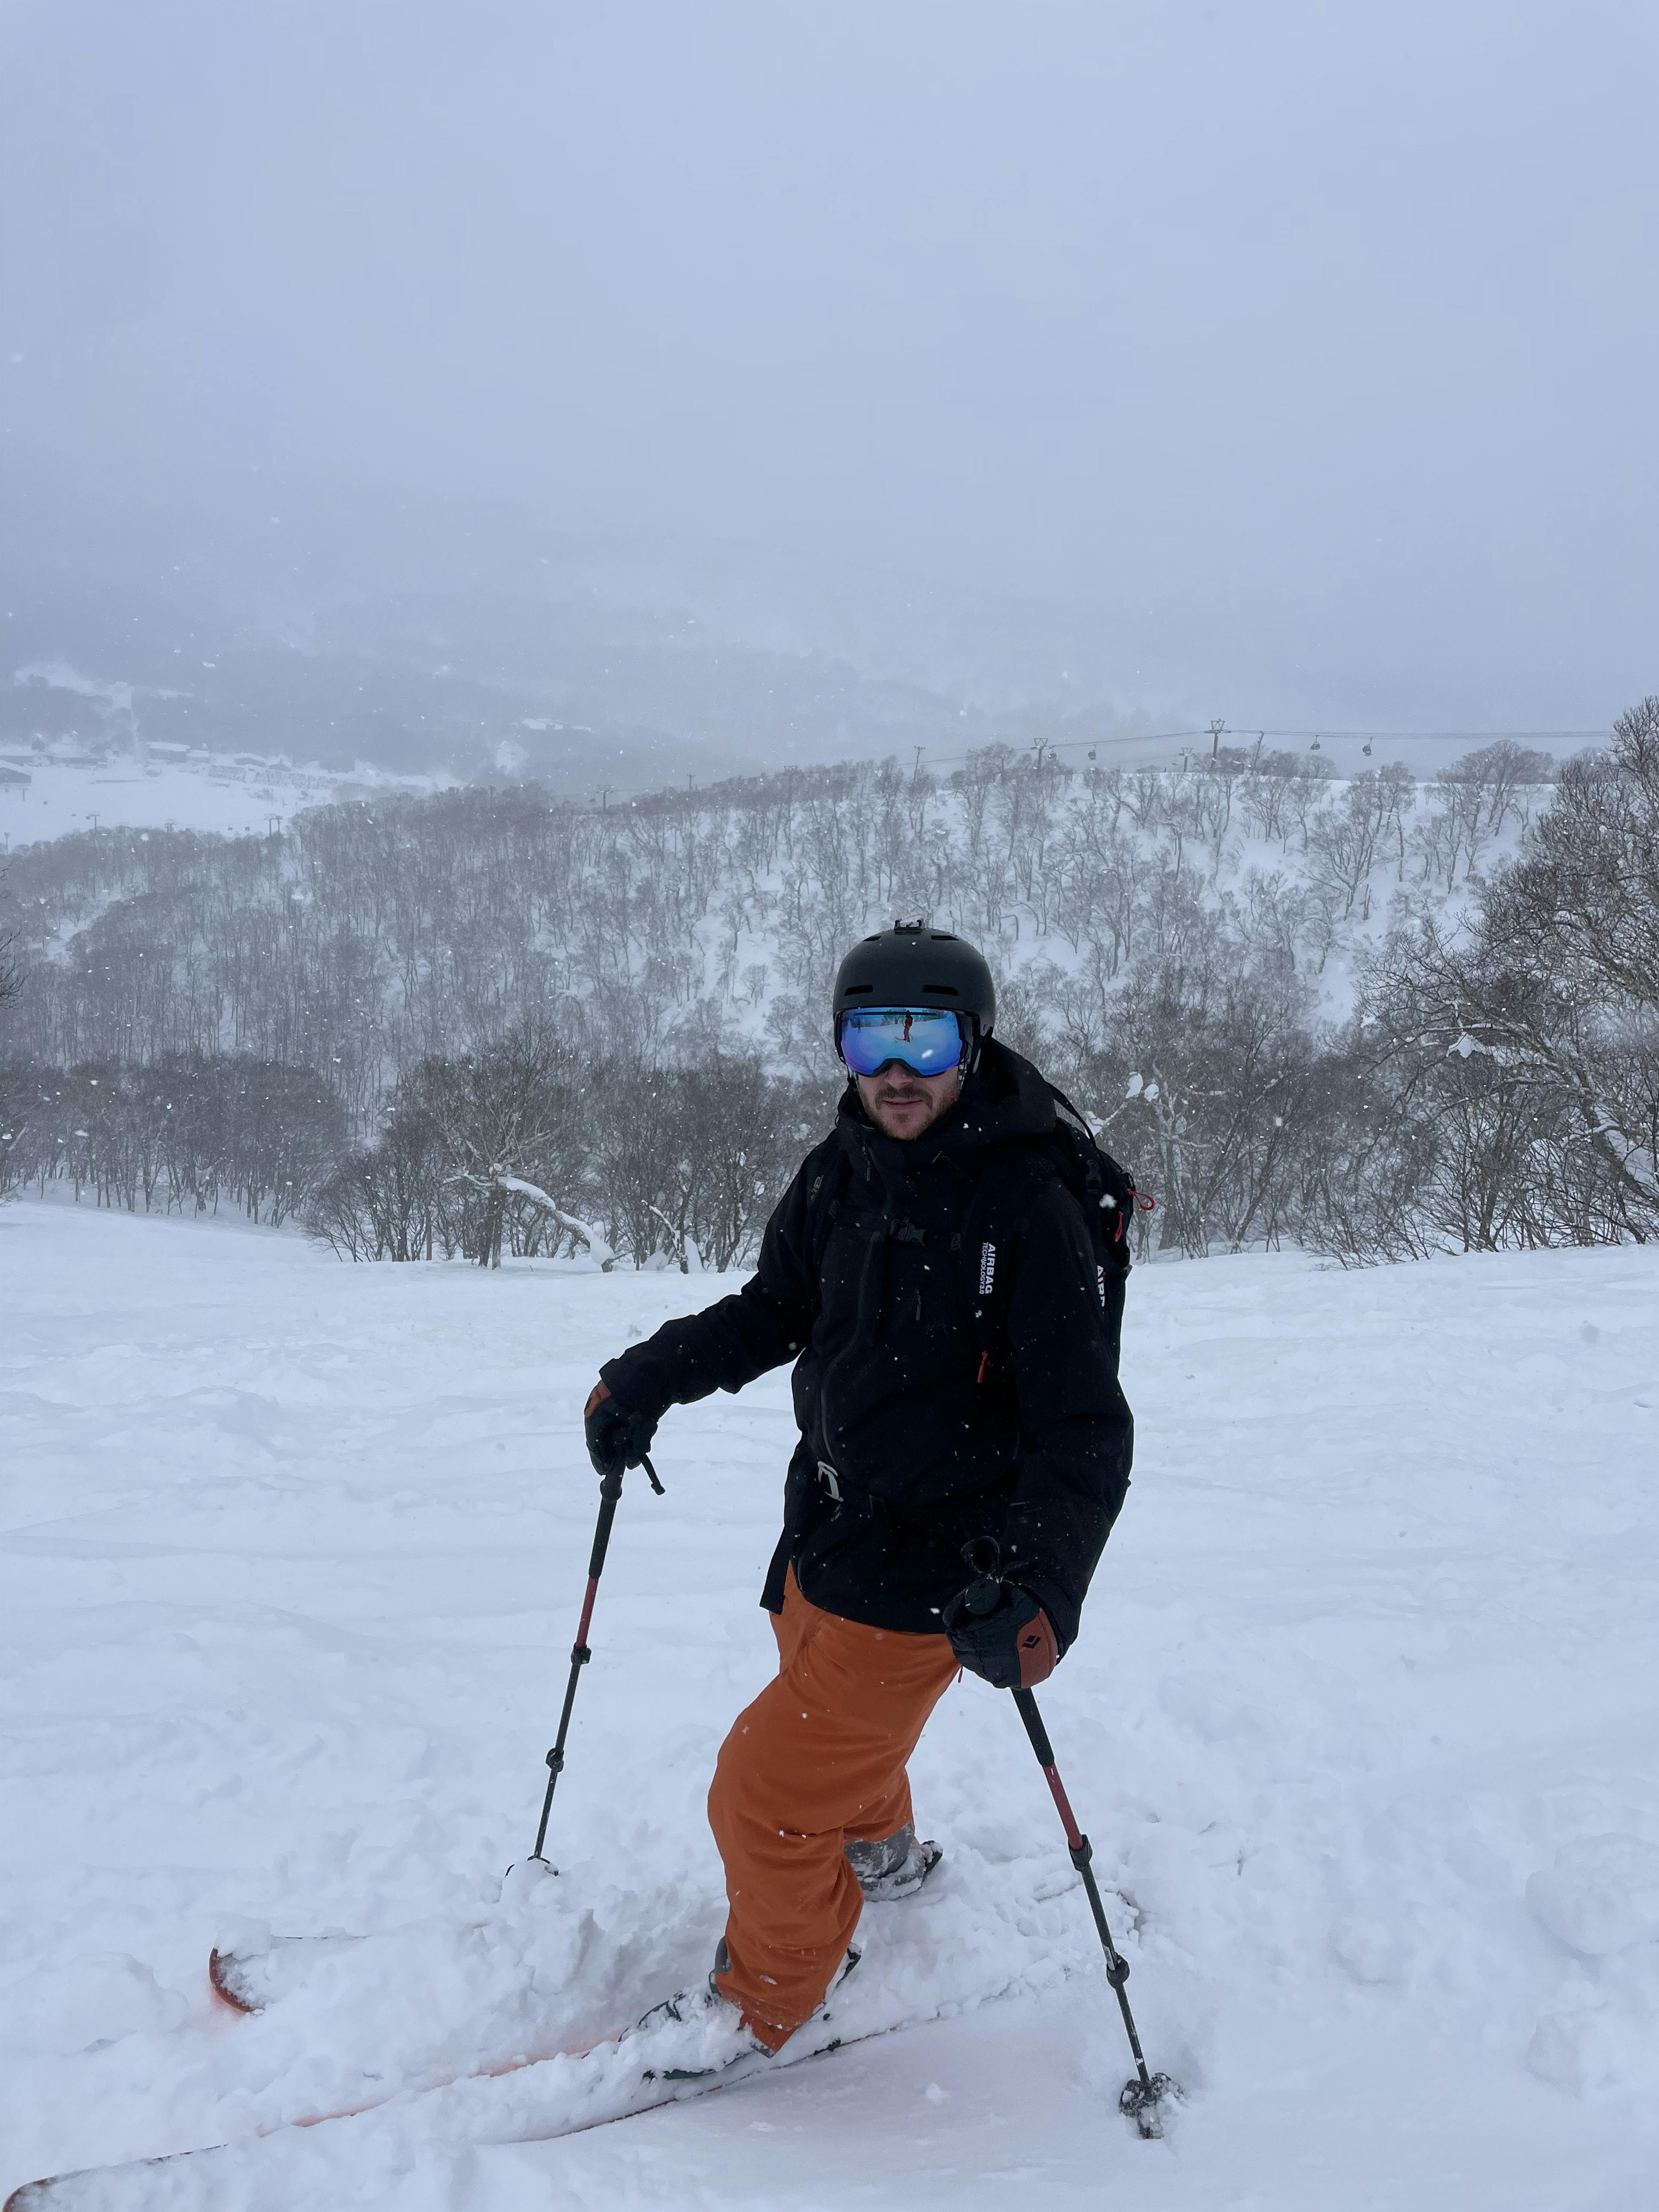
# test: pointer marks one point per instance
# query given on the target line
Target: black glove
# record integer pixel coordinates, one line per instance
(616, 1439)
(997, 1630)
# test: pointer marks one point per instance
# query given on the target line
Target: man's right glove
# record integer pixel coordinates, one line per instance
(997, 1630)
(616, 1439)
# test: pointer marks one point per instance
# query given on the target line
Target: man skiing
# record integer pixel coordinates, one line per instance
(951, 1298)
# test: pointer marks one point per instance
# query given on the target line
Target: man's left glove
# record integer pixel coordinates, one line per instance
(999, 1631)
(616, 1439)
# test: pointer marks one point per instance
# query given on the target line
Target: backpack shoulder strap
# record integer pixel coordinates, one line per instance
(825, 1196)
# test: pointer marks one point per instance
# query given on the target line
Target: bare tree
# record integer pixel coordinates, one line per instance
(1209, 1060)
(504, 1114)
(11, 970)
(392, 1202)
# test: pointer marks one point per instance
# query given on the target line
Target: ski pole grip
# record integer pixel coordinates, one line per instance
(1034, 1727)
(610, 1491)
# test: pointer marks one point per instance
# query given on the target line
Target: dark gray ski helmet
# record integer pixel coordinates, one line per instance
(912, 965)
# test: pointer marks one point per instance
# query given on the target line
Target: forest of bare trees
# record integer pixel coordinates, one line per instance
(1511, 1068)
(1374, 1016)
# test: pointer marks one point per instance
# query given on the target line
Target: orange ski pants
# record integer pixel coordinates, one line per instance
(816, 1763)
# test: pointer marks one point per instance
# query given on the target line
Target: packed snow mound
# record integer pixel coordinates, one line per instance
(1602, 1899)
(1362, 1724)
(1602, 1895)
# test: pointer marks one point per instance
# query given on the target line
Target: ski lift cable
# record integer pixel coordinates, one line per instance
(1317, 740)
(1321, 737)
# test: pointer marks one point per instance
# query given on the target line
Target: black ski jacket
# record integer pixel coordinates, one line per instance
(917, 1433)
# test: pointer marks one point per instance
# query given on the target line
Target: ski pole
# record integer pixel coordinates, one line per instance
(1144, 2092)
(611, 1486)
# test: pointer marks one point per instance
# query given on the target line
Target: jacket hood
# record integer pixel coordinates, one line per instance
(1005, 1097)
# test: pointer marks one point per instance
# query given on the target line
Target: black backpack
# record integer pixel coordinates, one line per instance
(1105, 1197)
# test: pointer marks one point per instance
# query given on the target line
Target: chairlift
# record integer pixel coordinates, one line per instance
(1091, 753)
(1366, 747)
(1316, 746)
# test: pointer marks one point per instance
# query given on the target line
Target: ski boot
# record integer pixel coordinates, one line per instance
(896, 1866)
(703, 2032)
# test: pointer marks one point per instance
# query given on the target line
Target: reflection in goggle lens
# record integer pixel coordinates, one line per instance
(922, 1038)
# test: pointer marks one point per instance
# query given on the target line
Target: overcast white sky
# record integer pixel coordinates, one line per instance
(1315, 344)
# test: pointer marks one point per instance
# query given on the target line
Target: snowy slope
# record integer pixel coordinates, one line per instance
(1364, 1722)
(170, 789)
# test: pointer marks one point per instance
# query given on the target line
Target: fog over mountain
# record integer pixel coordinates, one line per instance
(418, 631)
(728, 386)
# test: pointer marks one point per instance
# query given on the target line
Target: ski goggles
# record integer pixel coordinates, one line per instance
(925, 1039)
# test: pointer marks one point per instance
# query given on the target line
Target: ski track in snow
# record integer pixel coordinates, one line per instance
(1364, 1723)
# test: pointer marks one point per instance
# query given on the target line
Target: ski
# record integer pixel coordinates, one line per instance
(408, 2124)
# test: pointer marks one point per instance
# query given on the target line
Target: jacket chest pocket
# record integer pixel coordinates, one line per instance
(906, 1291)
(929, 1302)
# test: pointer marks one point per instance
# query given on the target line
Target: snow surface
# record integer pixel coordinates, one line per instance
(1364, 1722)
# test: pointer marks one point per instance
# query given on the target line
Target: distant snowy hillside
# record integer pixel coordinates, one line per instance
(1362, 1723)
(56, 790)
(203, 1018)
(356, 939)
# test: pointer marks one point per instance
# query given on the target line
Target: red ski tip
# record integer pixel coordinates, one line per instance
(221, 1979)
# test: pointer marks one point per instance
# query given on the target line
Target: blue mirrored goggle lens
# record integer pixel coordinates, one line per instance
(928, 1042)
